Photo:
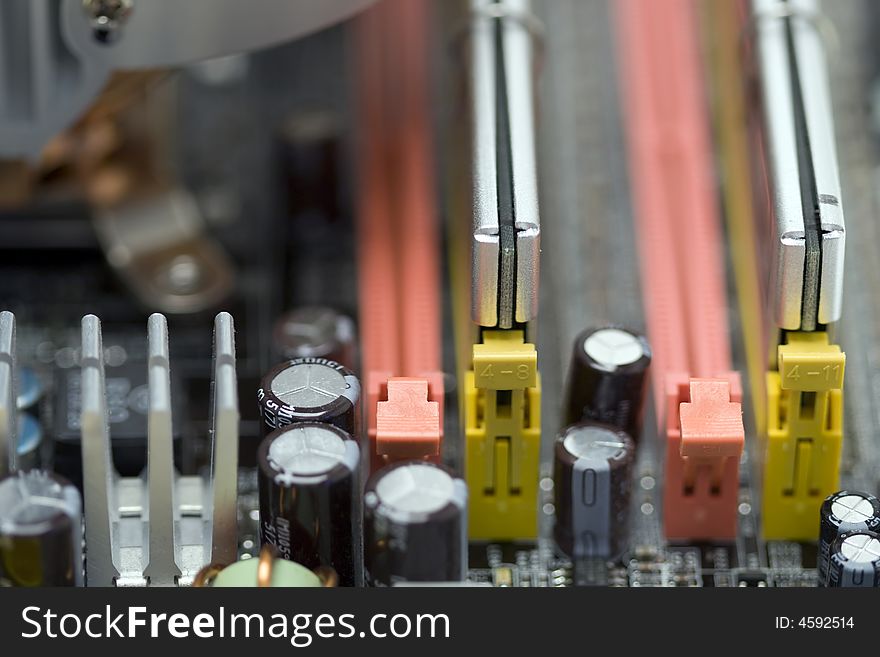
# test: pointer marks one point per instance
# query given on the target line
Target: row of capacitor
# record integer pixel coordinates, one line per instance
(594, 454)
(408, 523)
(414, 513)
(320, 524)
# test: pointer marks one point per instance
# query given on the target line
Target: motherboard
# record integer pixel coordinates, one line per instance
(283, 306)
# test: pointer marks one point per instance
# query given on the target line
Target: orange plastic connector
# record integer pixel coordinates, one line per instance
(387, 439)
(408, 425)
(398, 247)
(682, 258)
(705, 439)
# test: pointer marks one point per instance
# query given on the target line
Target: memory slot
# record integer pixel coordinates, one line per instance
(679, 234)
(398, 245)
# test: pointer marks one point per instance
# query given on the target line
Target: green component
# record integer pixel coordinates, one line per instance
(284, 574)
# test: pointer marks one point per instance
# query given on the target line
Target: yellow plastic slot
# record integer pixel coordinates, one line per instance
(804, 435)
(503, 436)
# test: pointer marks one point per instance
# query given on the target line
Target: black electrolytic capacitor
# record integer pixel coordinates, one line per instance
(310, 390)
(315, 332)
(415, 525)
(855, 560)
(592, 479)
(842, 512)
(608, 378)
(310, 498)
(40, 531)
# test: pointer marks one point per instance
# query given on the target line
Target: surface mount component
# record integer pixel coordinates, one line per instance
(506, 223)
(806, 285)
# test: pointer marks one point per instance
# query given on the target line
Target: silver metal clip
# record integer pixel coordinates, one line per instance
(161, 568)
(8, 394)
(224, 459)
(506, 223)
(806, 286)
(99, 476)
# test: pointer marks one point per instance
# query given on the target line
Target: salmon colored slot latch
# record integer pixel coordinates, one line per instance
(682, 260)
(408, 423)
(705, 439)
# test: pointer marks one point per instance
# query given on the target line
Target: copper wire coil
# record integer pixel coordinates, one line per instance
(329, 578)
(207, 574)
(265, 566)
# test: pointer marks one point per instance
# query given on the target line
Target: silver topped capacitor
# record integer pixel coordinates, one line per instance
(40, 531)
(842, 512)
(315, 332)
(310, 390)
(608, 379)
(310, 498)
(855, 560)
(415, 525)
(592, 478)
